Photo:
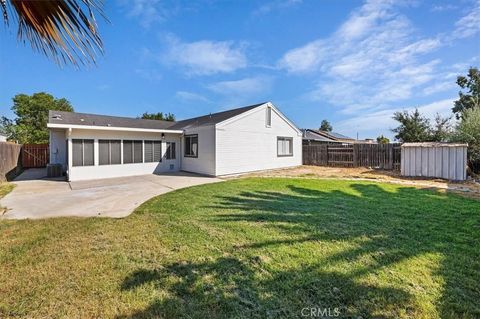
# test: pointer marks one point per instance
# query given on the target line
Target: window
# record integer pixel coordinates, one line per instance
(191, 145)
(170, 153)
(109, 152)
(268, 117)
(284, 146)
(82, 152)
(127, 152)
(132, 152)
(153, 151)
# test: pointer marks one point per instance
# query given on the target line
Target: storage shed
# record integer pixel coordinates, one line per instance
(442, 160)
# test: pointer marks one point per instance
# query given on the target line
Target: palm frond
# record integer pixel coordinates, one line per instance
(63, 30)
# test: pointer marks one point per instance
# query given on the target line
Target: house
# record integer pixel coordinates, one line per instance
(311, 136)
(3, 137)
(251, 138)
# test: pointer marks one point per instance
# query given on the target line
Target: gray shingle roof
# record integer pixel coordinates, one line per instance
(310, 135)
(213, 118)
(73, 118)
(331, 135)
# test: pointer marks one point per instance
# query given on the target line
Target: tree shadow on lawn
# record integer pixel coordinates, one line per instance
(398, 226)
(230, 288)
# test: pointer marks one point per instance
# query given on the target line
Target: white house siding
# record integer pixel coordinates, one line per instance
(205, 162)
(107, 171)
(58, 147)
(247, 144)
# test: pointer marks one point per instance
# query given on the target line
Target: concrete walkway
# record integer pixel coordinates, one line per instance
(37, 197)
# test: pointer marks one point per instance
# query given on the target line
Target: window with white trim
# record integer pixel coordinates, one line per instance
(109, 152)
(284, 146)
(170, 152)
(82, 152)
(153, 151)
(191, 145)
(132, 152)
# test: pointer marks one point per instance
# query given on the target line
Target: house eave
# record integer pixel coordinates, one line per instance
(111, 128)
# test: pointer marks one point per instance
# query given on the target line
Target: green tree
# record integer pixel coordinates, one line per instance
(471, 98)
(413, 127)
(383, 140)
(31, 111)
(442, 129)
(326, 126)
(468, 131)
(158, 116)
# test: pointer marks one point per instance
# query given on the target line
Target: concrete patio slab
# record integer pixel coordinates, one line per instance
(115, 197)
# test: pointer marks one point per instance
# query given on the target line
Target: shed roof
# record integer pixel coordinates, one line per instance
(434, 144)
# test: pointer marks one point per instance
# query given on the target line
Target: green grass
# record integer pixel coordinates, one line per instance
(264, 248)
(5, 188)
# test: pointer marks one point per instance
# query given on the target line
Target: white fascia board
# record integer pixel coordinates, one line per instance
(111, 128)
(263, 106)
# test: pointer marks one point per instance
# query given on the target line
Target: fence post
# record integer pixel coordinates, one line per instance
(355, 155)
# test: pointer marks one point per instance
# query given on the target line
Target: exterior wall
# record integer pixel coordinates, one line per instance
(246, 144)
(442, 162)
(3, 138)
(205, 162)
(58, 147)
(106, 171)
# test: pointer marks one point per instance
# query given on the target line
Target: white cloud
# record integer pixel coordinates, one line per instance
(373, 60)
(205, 57)
(246, 86)
(275, 5)
(146, 11)
(304, 59)
(189, 96)
(370, 124)
(446, 7)
(468, 25)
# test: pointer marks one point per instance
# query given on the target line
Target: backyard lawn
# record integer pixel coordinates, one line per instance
(256, 247)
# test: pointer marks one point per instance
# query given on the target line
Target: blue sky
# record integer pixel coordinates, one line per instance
(351, 62)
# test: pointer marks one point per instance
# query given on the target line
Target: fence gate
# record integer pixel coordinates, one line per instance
(35, 155)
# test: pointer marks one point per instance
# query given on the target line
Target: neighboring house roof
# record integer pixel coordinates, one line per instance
(326, 136)
(84, 119)
(312, 136)
(338, 136)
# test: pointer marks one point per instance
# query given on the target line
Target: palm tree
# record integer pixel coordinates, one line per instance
(63, 30)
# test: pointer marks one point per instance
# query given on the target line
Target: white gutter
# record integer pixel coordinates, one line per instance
(111, 128)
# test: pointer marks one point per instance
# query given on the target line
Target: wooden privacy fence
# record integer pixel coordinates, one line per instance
(9, 159)
(35, 155)
(384, 156)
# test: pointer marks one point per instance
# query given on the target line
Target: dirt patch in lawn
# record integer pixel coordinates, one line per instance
(468, 188)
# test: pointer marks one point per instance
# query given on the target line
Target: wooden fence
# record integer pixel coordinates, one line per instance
(384, 156)
(9, 159)
(35, 155)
